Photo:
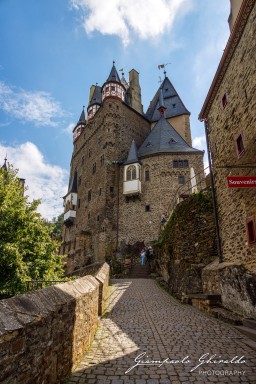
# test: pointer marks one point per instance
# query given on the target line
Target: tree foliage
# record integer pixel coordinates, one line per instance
(56, 227)
(27, 251)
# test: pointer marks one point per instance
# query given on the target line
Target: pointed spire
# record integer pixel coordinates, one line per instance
(172, 102)
(82, 118)
(96, 96)
(162, 106)
(4, 166)
(113, 76)
(133, 154)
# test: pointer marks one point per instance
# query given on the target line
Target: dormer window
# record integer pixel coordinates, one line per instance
(148, 144)
(174, 105)
(131, 173)
(172, 140)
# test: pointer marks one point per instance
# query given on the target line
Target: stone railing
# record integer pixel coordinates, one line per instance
(45, 333)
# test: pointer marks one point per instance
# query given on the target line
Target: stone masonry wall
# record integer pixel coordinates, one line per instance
(137, 224)
(106, 140)
(236, 205)
(187, 245)
(44, 334)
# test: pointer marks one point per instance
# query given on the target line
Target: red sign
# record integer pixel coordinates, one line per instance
(241, 181)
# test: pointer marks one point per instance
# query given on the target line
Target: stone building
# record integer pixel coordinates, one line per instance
(125, 168)
(229, 112)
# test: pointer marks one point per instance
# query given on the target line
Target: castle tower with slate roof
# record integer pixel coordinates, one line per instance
(125, 169)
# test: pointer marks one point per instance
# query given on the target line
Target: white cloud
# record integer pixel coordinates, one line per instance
(69, 129)
(213, 39)
(145, 18)
(199, 142)
(45, 181)
(37, 107)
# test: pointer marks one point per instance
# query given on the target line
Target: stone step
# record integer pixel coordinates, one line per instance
(249, 323)
(139, 271)
(226, 316)
(249, 332)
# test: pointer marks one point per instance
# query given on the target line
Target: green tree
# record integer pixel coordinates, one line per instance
(27, 251)
(56, 227)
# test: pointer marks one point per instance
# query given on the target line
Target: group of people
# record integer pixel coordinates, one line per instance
(164, 218)
(147, 254)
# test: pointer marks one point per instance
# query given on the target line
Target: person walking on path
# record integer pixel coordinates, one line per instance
(142, 255)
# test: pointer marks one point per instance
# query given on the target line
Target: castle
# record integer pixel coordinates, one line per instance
(125, 168)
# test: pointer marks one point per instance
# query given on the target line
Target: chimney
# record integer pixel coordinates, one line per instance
(135, 91)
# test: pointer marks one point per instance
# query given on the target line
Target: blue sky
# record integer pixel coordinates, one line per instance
(52, 51)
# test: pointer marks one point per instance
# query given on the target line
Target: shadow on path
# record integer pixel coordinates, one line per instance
(141, 318)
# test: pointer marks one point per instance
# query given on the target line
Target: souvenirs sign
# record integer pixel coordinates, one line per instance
(241, 181)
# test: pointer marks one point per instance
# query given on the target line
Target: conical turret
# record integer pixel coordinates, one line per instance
(113, 87)
(95, 102)
(79, 126)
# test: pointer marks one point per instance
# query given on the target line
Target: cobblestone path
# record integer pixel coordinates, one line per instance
(141, 318)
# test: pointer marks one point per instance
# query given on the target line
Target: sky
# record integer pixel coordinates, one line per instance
(52, 51)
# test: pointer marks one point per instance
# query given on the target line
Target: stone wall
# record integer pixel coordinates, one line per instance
(44, 334)
(106, 140)
(187, 245)
(102, 277)
(225, 124)
(136, 224)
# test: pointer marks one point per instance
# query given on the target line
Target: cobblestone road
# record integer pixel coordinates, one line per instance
(141, 318)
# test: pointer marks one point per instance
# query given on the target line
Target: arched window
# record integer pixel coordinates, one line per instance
(131, 173)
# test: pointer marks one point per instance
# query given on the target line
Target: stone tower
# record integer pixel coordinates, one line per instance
(125, 166)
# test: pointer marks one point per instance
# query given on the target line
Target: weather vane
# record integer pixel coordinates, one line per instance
(122, 70)
(163, 66)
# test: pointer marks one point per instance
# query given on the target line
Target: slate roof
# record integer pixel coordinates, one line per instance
(133, 154)
(96, 97)
(72, 185)
(81, 120)
(113, 76)
(172, 102)
(164, 139)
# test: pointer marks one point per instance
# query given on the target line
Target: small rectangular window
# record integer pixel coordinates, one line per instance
(251, 231)
(239, 145)
(181, 179)
(111, 189)
(147, 208)
(89, 195)
(146, 175)
(113, 88)
(100, 190)
(175, 163)
(79, 180)
(224, 100)
(78, 205)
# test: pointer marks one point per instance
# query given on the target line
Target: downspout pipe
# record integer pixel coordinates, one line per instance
(215, 209)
